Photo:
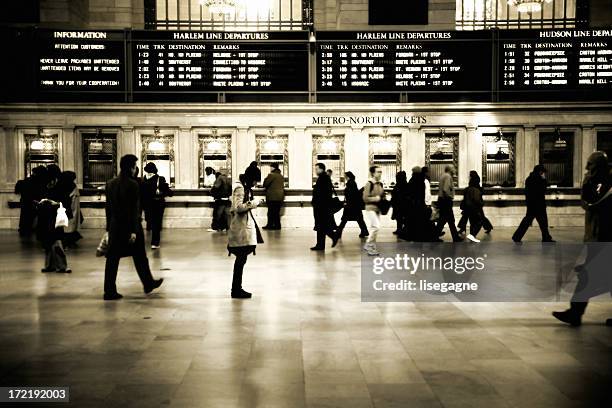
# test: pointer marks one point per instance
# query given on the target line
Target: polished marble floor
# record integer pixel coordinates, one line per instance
(304, 340)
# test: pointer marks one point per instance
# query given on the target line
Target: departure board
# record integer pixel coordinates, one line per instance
(450, 61)
(190, 61)
(80, 61)
(561, 62)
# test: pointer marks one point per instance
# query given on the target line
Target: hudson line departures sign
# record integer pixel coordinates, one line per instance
(47, 65)
(449, 61)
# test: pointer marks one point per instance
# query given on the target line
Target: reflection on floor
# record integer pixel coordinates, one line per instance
(304, 340)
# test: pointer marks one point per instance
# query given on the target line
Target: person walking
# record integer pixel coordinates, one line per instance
(446, 195)
(415, 226)
(274, 184)
(243, 231)
(31, 190)
(593, 279)
(70, 190)
(486, 223)
(353, 206)
(535, 195)
(472, 205)
(373, 194)
(322, 209)
(155, 189)
(48, 232)
(125, 234)
(400, 201)
(221, 192)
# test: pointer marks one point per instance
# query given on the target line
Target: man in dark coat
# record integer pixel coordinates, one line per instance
(31, 190)
(535, 195)
(274, 184)
(221, 192)
(154, 190)
(125, 234)
(594, 276)
(353, 206)
(322, 209)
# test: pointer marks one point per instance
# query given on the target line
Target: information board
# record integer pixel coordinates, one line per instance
(180, 62)
(449, 61)
(80, 62)
(564, 63)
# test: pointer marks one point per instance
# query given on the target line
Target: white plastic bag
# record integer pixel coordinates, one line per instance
(102, 246)
(61, 219)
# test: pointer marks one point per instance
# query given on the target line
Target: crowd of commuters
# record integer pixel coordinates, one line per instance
(50, 195)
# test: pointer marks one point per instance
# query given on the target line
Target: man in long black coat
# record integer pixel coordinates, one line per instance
(125, 234)
(321, 206)
(535, 195)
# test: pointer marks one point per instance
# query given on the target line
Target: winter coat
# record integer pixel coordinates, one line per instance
(353, 202)
(598, 209)
(242, 231)
(321, 204)
(122, 214)
(472, 199)
(275, 186)
(535, 191)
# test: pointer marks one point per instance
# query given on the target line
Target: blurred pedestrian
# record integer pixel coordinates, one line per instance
(472, 205)
(353, 206)
(535, 195)
(221, 192)
(274, 184)
(322, 209)
(400, 201)
(155, 189)
(446, 195)
(373, 194)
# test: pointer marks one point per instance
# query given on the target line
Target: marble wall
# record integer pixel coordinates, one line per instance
(300, 122)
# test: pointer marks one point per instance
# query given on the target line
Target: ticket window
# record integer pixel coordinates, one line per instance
(40, 150)
(329, 150)
(215, 152)
(159, 150)
(557, 156)
(441, 149)
(499, 165)
(385, 153)
(273, 150)
(604, 143)
(99, 158)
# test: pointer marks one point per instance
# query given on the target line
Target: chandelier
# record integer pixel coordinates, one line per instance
(528, 6)
(219, 6)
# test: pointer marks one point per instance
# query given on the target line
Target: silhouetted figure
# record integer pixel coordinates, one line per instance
(594, 275)
(416, 227)
(353, 206)
(400, 201)
(155, 189)
(472, 205)
(253, 172)
(209, 176)
(242, 235)
(274, 184)
(486, 223)
(72, 203)
(221, 192)
(446, 195)
(49, 235)
(535, 194)
(373, 194)
(125, 234)
(31, 190)
(322, 209)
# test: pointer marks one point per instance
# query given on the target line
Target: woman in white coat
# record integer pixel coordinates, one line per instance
(243, 231)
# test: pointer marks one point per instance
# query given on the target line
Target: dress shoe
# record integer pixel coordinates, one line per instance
(112, 296)
(241, 294)
(461, 232)
(488, 230)
(458, 239)
(395, 232)
(156, 284)
(266, 227)
(568, 317)
(68, 270)
(441, 233)
(609, 322)
(335, 240)
(516, 240)
(317, 248)
(47, 270)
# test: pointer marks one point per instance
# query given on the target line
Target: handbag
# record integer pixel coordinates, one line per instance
(335, 204)
(102, 248)
(260, 239)
(61, 219)
(384, 205)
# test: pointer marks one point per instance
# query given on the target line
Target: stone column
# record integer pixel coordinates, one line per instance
(356, 153)
(589, 145)
(300, 159)
(245, 150)
(13, 159)
(184, 164)
(126, 143)
(531, 146)
(4, 159)
(413, 149)
(474, 152)
(68, 153)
